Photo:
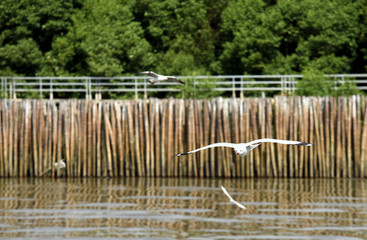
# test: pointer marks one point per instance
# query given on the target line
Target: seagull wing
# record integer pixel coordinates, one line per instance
(232, 145)
(231, 199)
(174, 79)
(270, 140)
(150, 73)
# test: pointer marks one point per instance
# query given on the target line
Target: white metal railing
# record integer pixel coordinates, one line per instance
(47, 87)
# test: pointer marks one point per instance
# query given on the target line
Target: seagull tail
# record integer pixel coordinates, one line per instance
(180, 154)
(305, 144)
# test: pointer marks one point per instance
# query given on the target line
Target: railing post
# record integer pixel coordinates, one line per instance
(90, 88)
(3, 88)
(98, 93)
(136, 89)
(87, 82)
(233, 88)
(51, 91)
(41, 88)
(86, 88)
(294, 85)
(335, 84)
(194, 87)
(14, 96)
(145, 89)
(288, 85)
(6, 89)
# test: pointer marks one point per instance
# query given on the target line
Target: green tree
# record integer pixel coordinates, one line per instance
(27, 29)
(329, 34)
(359, 64)
(104, 40)
(314, 83)
(180, 35)
(284, 37)
(198, 89)
(245, 41)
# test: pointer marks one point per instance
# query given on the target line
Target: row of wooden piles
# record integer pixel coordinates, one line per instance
(141, 138)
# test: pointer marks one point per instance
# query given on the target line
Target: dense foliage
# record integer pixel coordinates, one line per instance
(192, 37)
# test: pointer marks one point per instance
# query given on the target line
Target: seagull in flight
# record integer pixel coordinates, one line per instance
(158, 78)
(231, 199)
(242, 149)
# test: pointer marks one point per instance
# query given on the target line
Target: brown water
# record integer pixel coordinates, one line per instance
(183, 209)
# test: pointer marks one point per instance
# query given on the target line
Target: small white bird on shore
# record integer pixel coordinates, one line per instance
(158, 78)
(242, 149)
(231, 199)
(60, 164)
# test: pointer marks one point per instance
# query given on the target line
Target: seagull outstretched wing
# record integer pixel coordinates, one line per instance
(150, 73)
(174, 79)
(270, 140)
(232, 145)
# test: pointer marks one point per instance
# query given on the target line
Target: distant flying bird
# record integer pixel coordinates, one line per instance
(158, 78)
(231, 199)
(242, 149)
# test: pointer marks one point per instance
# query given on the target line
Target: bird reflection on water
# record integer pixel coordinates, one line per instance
(187, 208)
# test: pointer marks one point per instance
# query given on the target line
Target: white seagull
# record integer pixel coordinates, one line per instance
(60, 164)
(231, 199)
(242, 149)
(158, 78)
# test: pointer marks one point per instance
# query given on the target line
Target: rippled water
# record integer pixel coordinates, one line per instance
(166, 208)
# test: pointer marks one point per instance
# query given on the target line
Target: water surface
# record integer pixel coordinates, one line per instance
(167, 208)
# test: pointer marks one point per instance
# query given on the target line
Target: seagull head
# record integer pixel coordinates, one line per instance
(245, 149)
(240, 151)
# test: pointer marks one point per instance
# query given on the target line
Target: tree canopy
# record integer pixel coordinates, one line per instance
(191, 37)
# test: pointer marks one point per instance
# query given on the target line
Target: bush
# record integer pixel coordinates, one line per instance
(203, 88)
(314, 83)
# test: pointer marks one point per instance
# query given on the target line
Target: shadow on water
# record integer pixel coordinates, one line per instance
(172, 208)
